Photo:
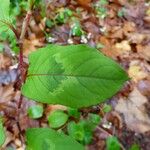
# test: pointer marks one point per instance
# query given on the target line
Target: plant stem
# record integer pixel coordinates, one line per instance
(21, 66)
(25, 25)
(22, 36)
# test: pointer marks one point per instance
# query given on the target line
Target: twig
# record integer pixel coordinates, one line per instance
(21, 67)
(23, 32)
(25, 25)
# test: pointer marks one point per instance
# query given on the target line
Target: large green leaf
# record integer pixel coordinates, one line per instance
(74, 75)
(48, 139)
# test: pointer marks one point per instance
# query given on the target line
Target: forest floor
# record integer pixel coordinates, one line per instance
(120, 30)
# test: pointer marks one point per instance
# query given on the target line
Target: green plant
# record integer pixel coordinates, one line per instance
(2, 133)
(48, 139)
(83, 130)
(101, 8)
(76, 76)
(35, 112)
(76, 29)
(63, 16)
(107, 108)
(121, 12)
(69, 79)
(57, 119)
(134, 147)
(74, 113)
(112, 143)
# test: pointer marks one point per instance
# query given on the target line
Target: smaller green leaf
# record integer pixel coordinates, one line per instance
(83, 130)
(68, 12)
(88, 137)
(121, 12)
(77, 30)
(102, 11)
(1, 47)
(13, 44)
(48, 139)
(49, 23)
(107, 108)
(60, 18)
(57, 118)
(73, 112)
(88, 130)
(35, 112)
(112, 143)
(134, 147)
(2, 133)
(3, 36)
(94, 118)
(103, 2)
(76, 131)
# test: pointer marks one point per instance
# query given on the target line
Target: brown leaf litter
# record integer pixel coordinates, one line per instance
(134, 112)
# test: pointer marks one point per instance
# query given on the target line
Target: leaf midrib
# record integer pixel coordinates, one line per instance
(73, 76)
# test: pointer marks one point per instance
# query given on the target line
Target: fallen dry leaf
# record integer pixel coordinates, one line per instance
(144, 87)
(109, 49)
(5, 61)
(123, 46)
(136, 37)
(84, 3)
(32, 44)
(134, 112)
(6, 93)
(144, 51)
(9, 138)
(116, 32)
(129, 27)
(136, 72)
(136, 12)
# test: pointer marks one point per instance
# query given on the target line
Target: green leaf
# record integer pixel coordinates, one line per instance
(102, 11)
(1, 47)
(76, 131)
(60, 18)
(73, 113)
(48, 139)
(5, 18)
(134, 147)
(103, 2)
(112, 143)
(94, 118)
(49, 23)
(68, 12)
(75, 75)
(81, 131)
(107, 108)
(2, 133)
(4, 9)
(121, 12)
(57, 118)
(76, 30)
(35, 112)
